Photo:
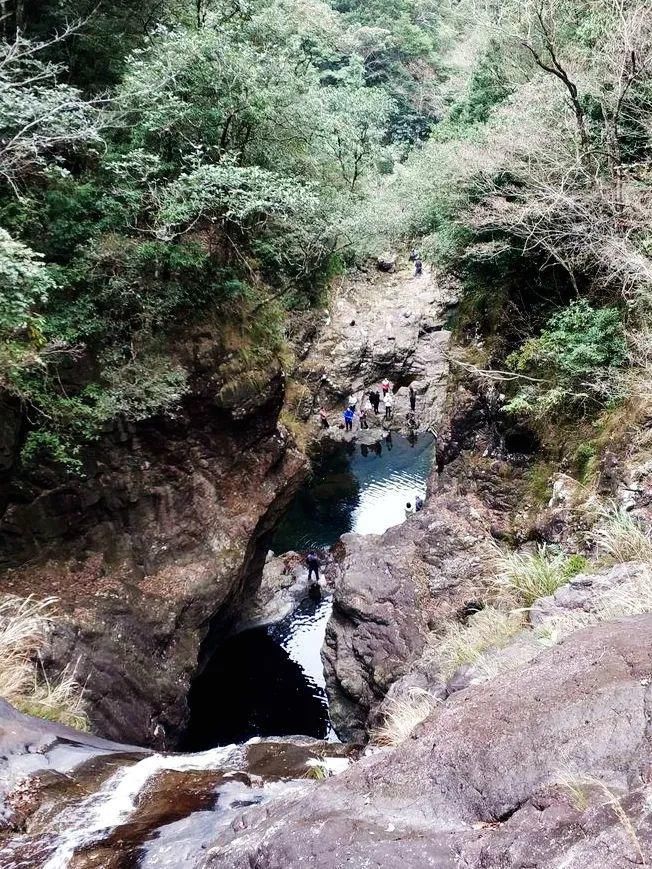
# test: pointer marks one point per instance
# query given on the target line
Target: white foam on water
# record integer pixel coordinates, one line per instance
(113, 804)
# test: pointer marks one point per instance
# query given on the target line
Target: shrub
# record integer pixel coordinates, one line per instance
(575, 360)
(585, 461)
(574, 565)
(46, 446)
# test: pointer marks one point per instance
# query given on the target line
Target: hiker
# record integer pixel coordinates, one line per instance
(386, 386)
(389, 403)
(323, 417)
(348, 419)
(409, 510)
(363, 418)
(313, 563)
(414, 255)
(374, 398)
(418, 503)
(418, 267)
(413, 399)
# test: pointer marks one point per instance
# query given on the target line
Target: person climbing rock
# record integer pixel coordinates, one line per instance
(323, 416)
(313, 564)
(386, 386)
(413, 399)
(409, 510)
(389, 404)
(418, 267)
(348, 419)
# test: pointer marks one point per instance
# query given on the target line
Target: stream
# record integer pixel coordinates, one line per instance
(269, 681)
(160, 810)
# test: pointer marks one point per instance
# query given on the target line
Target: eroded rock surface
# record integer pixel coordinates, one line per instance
(383, 325)
(545, 767)
(164, 536)
(391, 592)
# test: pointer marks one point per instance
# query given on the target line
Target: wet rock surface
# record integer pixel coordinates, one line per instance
(485, 781)
(82, 801)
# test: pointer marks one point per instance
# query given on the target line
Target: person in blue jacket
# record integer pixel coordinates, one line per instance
(348, 419)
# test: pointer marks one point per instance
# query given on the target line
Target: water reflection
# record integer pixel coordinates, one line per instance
(357, 488)
(267, 681)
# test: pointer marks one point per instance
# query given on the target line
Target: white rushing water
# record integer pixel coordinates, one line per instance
(113, 804)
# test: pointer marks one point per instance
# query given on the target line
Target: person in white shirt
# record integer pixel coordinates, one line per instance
(389, 403)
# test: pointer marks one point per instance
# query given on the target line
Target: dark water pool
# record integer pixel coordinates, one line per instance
(269, 681)
(356, 488)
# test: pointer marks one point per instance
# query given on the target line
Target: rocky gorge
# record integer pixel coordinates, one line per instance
(534, 754)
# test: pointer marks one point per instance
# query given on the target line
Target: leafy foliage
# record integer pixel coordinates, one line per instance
(574, 359)
(163, 165)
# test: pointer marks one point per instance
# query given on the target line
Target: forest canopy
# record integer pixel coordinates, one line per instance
(164, 164)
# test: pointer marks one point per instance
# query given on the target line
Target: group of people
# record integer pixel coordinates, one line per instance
(410, 509)
(383, 393)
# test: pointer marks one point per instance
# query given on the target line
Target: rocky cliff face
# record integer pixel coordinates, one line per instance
(160, 542)
(391, 592)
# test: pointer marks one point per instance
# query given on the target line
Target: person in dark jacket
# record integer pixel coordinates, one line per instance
(313, 563)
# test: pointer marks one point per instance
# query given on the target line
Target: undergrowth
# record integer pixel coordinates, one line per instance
(24, 624)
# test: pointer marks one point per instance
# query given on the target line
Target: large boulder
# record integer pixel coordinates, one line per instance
(383, 326)
(392, 591)
(547, 766)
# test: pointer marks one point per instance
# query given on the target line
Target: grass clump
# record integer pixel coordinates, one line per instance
(621, 538)
(23, 682)
(402, 716)
(465, 644)
(523, 577)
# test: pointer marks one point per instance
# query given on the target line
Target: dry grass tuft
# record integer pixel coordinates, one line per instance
(523, 577)
(464, 644)
(402, 716)
(621, 538)
(24, 624)
(580, 788)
